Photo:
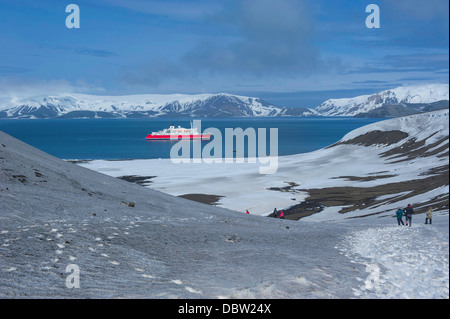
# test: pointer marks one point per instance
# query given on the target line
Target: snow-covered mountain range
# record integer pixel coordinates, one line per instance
(390, 103)
(396, 102)
(143, 105)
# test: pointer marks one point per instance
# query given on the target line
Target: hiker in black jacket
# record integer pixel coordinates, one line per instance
(409, 211)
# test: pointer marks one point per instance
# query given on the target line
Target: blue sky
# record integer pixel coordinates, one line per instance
(289, 52)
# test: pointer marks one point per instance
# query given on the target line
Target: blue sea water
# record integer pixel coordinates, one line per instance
(125, 138)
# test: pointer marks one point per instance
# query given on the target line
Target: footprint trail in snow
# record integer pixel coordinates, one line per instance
(400, 262)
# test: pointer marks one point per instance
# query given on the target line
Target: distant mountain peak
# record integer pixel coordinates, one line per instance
(411, 96)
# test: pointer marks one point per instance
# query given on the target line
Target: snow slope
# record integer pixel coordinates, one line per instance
(430, 126)
(401, 95)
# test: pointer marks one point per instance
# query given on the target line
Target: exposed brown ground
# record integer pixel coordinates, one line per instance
(362, 197)
(374, 138)
(141, 180)
(203, 198)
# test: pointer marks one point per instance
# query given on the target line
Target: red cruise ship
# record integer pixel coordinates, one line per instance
(177, 133)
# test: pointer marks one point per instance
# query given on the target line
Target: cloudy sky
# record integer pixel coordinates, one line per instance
(289, 52)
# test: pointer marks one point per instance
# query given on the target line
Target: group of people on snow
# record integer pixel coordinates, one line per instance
(408, 212)
(277, 214)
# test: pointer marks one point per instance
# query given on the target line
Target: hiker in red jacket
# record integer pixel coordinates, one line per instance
(281, 214)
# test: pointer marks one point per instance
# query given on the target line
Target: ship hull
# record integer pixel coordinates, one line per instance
(178, 137)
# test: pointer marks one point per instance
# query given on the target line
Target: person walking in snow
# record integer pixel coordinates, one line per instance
(399, 214)
(247, 212)
(281, 214)
(409, 211)
(429, 215)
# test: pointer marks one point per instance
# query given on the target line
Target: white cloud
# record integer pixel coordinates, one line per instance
(10, 87)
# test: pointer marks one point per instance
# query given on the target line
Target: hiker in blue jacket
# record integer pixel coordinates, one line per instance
(399, 214)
